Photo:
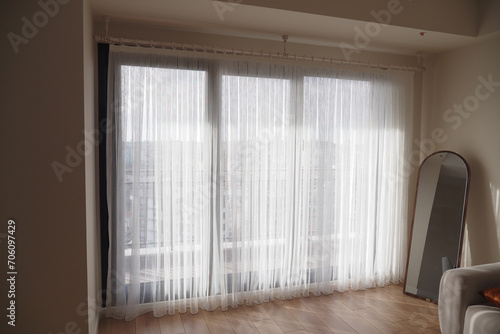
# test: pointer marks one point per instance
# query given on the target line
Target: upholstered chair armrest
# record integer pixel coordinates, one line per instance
(460, 288)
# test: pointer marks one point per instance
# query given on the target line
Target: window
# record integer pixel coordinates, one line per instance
(235, 181)
(149, 167)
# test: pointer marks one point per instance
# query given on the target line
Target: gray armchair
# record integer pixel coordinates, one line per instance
(461, 308)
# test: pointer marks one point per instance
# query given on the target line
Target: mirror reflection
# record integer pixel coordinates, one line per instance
(438, 220)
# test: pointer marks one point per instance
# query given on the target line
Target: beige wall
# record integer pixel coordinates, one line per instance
(93, 304)
(48, 99)
(488, 22)
(460, 15)
(42, 113)
(139, 30)
(457, 78)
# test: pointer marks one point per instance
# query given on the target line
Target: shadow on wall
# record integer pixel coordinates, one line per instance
(495, 201)
(482, 237)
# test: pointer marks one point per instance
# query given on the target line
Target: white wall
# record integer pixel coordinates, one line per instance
(453, 79)
(42, 114)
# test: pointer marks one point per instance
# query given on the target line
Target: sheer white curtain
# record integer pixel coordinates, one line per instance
(261, 248)
(352, 192)
(159, 183)
(234, 181)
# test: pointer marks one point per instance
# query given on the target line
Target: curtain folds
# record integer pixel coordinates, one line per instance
(236, 181)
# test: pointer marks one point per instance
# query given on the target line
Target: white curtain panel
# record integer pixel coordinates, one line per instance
(237, 181)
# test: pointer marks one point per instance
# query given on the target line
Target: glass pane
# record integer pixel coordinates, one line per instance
(165, 174)
(256, 164)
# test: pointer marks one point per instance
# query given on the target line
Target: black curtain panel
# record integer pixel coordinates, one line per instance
(103, 56)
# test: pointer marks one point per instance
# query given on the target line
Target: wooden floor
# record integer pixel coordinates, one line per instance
(380, 310)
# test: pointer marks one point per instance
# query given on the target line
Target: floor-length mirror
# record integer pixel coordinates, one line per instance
(438, 222)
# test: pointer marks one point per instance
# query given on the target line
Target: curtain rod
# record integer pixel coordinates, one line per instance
(251, 53)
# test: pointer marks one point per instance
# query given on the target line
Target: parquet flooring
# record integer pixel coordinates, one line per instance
(372, 311)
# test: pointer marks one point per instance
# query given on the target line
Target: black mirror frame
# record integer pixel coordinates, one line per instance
(464, 214)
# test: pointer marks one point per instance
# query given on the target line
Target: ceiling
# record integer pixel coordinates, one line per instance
(428, 26)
